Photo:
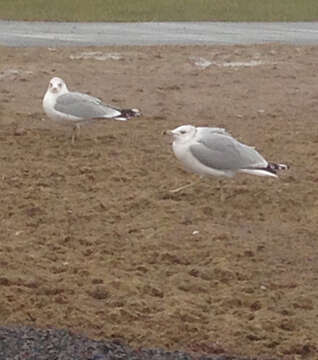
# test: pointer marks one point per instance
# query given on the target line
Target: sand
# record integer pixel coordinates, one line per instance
(93, 240)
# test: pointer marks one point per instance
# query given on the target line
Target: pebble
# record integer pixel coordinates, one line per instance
(30, 343)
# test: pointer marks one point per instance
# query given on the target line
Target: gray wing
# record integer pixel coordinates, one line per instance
(84, 106)
(223, 152)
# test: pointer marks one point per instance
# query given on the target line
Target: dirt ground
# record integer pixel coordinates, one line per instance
(92, 239)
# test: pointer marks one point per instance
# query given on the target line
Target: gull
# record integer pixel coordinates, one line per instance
(75, 108)
(213, 151)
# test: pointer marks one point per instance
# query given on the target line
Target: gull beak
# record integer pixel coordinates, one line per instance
(167, 132)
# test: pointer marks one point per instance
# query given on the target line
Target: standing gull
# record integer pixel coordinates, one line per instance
(213, 151)
(75, 108)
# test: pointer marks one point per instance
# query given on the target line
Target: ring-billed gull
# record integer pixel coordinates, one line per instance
(213, 151)
(75, 108)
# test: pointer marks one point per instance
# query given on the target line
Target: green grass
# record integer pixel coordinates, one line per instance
(159, 10)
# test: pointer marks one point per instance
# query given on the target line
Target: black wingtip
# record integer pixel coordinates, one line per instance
(129, 113)
(273, 167)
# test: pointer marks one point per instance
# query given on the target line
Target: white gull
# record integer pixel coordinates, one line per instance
(75, 108)
(213, 151)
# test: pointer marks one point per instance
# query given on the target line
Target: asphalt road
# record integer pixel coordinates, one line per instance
(52, 34)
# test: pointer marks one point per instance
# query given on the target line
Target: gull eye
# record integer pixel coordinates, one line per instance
(182, 131)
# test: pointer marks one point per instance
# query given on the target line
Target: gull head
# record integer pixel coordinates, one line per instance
(57, 86)
(183, 133)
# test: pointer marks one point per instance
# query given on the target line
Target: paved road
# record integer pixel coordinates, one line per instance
(19, 33)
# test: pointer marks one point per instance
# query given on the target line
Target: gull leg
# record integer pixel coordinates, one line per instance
(185, 186)
(182, 187)
(75, 133)
(221, 189)
(225, 184)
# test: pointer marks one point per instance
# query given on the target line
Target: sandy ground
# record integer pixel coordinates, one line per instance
(93, 241)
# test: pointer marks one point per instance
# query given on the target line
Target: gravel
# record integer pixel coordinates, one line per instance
(27, 343)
